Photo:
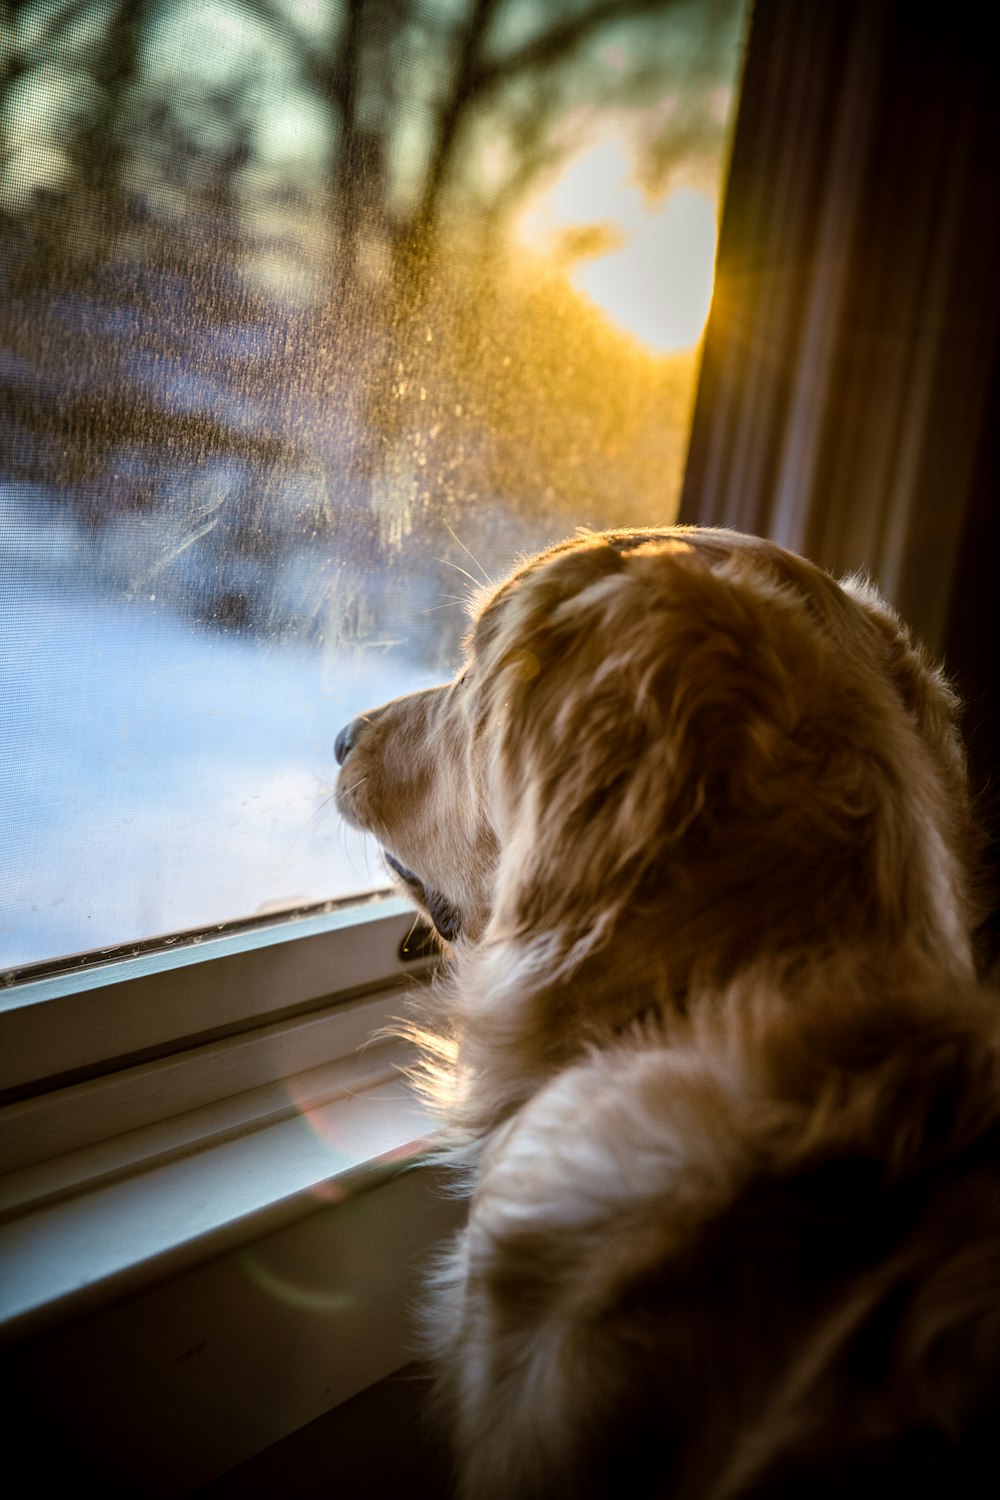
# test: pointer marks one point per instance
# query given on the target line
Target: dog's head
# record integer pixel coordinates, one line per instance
(690, 736)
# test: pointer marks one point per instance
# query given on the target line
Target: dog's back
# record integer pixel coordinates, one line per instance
(747, 1287)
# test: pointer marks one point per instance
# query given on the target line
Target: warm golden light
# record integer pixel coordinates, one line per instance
(649, 268)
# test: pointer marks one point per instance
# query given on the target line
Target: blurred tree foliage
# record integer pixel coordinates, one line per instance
(276, 234)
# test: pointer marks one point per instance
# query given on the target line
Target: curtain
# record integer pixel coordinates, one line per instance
(845, 393)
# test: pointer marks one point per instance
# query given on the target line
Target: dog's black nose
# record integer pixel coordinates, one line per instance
(344, 743)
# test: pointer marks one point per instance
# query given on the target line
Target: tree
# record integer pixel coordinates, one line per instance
(421, 95)
(416, 363)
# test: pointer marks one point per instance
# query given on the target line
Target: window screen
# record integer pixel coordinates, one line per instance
(312, 317)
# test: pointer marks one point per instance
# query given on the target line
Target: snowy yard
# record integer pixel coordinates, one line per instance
(155, 775)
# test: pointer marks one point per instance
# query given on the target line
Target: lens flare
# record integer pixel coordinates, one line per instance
(311, 1299)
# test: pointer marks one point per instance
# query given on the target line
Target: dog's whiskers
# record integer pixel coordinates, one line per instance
(471, 555)
(447, 563)
(449, 603)
(323, 807)
(354, 785)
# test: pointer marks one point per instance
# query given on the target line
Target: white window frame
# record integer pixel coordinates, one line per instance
(100, 1016)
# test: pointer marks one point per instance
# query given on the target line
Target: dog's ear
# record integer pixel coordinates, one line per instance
(674, 732)
(922, 685)
(935, 710)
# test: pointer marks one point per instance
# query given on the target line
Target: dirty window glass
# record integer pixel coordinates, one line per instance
(312, 316)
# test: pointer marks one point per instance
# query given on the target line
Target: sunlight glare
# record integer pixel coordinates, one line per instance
(652, 270)
(658, 285)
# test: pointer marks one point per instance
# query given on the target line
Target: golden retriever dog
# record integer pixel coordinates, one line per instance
(693, 823)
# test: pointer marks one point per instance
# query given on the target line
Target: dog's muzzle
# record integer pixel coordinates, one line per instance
(447, 919)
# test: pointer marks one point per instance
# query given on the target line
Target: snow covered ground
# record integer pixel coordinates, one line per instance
(155, 775)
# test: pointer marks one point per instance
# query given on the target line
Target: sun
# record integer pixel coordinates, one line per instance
(658, 285)
(653, 271)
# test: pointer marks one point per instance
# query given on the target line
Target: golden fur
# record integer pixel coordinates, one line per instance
(715, 1069)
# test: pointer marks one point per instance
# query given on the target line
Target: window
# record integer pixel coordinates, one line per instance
(312, 317)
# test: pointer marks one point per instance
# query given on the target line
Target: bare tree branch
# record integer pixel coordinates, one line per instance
(554, 45)
(468, 69)
(477, 76)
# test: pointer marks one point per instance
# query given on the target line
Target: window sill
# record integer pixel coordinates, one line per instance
(95, 1224)
(205, 1249)
(173, 1385)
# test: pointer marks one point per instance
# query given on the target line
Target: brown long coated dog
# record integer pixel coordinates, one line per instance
(693, 821)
